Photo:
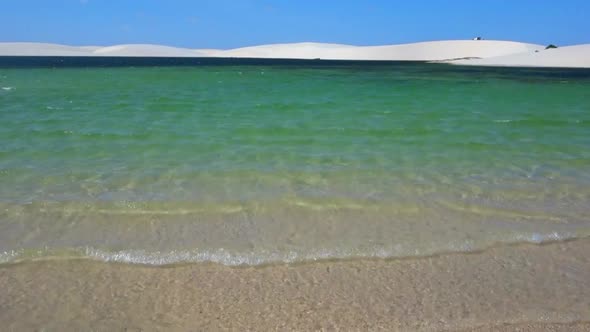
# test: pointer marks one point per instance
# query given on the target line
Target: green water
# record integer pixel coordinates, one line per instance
(261, 164)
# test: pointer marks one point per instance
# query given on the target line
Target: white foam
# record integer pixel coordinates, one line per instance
(219, 256)
(538, 238)
(264, 257)
(10, 256)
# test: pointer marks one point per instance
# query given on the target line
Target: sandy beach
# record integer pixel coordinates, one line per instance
(513, 288)
(460, 52)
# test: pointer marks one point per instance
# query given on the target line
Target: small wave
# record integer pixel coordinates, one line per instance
(7, 88)
(502, 121)
(538, 238)
(228, 258)
(325, 206)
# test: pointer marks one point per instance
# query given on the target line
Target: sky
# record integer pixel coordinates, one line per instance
(236, 23)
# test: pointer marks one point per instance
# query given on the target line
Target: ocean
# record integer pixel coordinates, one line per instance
(255, 162)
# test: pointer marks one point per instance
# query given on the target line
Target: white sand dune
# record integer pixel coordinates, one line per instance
(437, 50)
(208, 51)
(569, 56)
(146, 50)
(425, 51)
(41, 49)
(461, 52)
(90, 48)
(130, 50)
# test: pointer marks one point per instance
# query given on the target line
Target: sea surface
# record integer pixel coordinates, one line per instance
(268, 162)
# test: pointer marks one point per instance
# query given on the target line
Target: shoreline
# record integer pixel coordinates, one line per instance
(296, 263)
(512, 287)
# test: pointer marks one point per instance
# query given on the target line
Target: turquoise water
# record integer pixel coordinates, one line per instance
(264, 164)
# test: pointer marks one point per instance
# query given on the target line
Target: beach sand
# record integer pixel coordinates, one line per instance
(510, 288)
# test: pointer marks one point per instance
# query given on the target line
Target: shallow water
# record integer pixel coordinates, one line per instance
(284, 163)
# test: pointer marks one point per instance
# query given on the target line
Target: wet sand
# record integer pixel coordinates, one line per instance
(513, 288)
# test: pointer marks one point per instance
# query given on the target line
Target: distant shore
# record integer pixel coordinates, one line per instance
(461, 52)
(521, 287)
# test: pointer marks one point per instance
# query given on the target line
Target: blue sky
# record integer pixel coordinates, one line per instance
(235, 23)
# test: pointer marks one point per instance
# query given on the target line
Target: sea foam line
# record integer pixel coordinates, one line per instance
(265, 257)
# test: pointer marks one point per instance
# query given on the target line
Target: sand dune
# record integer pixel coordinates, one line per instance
(570, 56)
(41, 49)
(426, 51)
(461, 52)
(437, 50)
(146, 50)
